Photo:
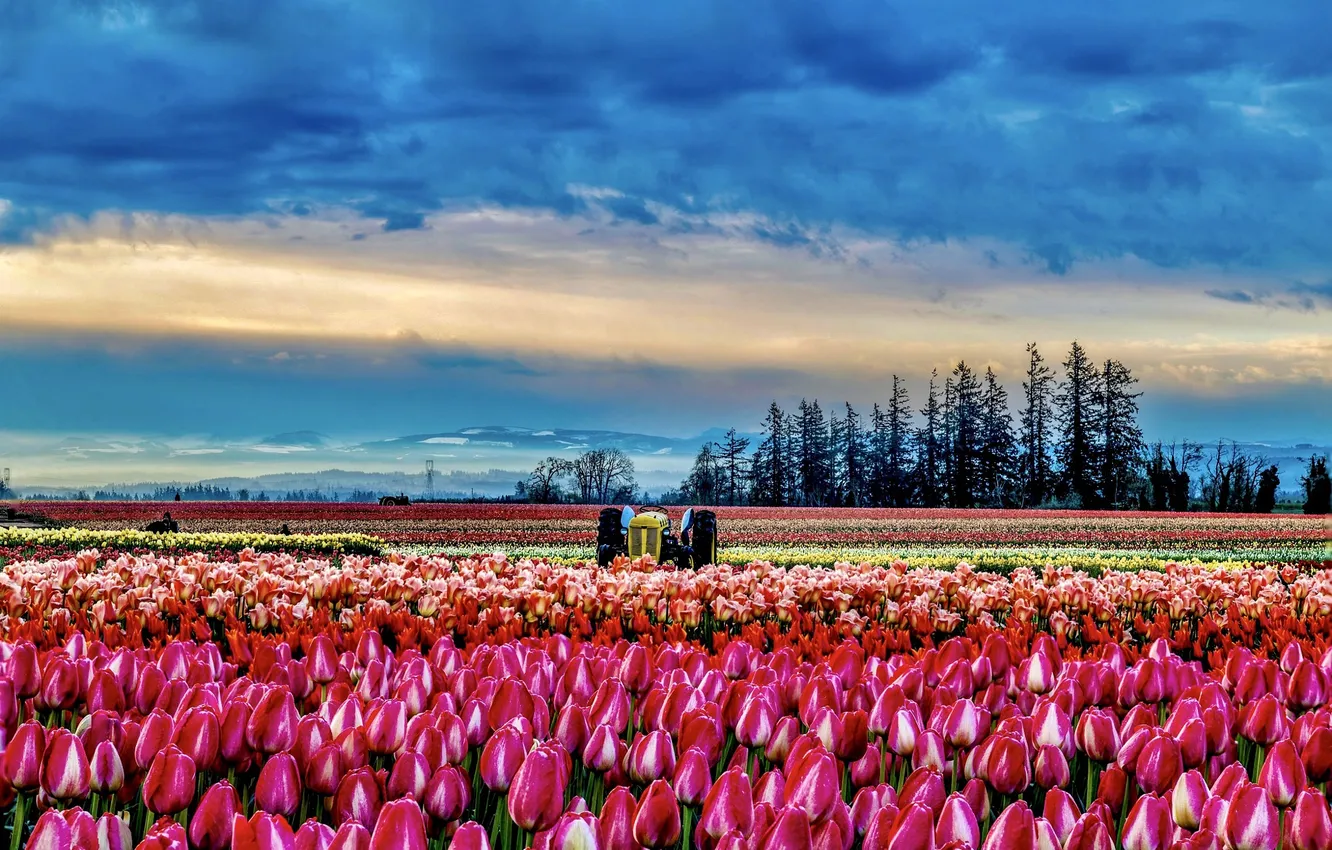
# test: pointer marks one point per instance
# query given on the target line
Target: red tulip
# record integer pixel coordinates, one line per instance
(1159, 765)
(357, 798)
(693, 778)
(113, 833)
(271, 727)
(1251, 821)
(278, 788)
(1051, 768)
(24, 757)
(1148, 826)
(1310, 823)
(323, 771)
(729, 805)
(65, 771)
(1015, 827)
(657, 819)
(814, 785)
(353, 836)
(470, 836)
(51, 832)
(790, 831)
(576, 831)
(651, 757)
(1097, 735)
(447, 794)
(1006, 767)
(1188, 798)
(314, 835)
(211, 826)
(1060, 812)
(400, 826)
(617, 820)
(536, 796)
(198, 735)
(261, 832)
(957, 822)
(503, 756)
(1283, 773)
(169, 786)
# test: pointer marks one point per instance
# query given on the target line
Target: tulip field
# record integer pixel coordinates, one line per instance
(458, 676)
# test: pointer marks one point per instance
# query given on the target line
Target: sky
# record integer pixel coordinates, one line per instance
(366, 219)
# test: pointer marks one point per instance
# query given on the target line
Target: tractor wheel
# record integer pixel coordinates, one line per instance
(704, 538)
(610, 539)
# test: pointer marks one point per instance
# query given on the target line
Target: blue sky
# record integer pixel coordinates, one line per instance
(366, 214)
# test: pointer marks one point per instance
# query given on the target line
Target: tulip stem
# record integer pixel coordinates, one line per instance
(16, 835)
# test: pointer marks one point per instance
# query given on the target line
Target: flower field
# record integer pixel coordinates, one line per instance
(782, 535)
(226, 687)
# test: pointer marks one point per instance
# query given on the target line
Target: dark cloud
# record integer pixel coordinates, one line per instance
(1075, 132)
(1301, 296)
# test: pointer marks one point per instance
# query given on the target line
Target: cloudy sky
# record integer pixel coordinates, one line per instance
(365, 219)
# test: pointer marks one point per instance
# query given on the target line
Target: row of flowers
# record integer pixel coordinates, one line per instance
(68, 540)
(347, 738)
(135, 600)
(485, 527)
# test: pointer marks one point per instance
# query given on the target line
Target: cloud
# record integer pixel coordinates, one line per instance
(1194, 135)
(1299, 296)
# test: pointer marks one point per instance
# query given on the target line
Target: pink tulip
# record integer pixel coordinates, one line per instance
(1251, 821)
(400, 826)
(211, 826)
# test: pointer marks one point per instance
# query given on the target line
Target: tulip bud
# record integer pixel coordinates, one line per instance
(693, 778)
(1311, 824)
(1015, 827)
(65, 771)
(169, 786)
(278, 788)
(536, 796)
(657, 819)
(957, 822)
(1188, 799)
(1251, 820)
(1148, 826)
(271, 727)
(113, 833)
(1283, 773)
(211, 826)
(357, 798)
(470, 836)
(400, 826)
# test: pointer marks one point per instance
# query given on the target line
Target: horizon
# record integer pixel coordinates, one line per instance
(382, 220)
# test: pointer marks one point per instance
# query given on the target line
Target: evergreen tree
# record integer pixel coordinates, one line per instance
(1121, 438)
(966, 438)
(814, 464)
(947, 429)
(998, 459)
(771, 462)
(704, 484)
(854, 464)
(1037, 423)
(1268, 482)
(731, 454)
(1078, 450)
(930, 448)
(876, 446)
(899, 446)
(1317, 487)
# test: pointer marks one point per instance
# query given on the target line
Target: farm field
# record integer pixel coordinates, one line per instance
(778, 535)
(847, 680)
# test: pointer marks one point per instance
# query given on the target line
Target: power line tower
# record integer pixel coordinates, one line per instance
(430, 479)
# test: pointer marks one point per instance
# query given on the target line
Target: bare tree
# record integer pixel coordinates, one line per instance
(543, 485)
(603, 475)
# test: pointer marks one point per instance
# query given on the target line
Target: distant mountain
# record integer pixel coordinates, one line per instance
(489, 459)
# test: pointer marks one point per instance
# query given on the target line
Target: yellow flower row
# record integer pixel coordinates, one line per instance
(84, 538)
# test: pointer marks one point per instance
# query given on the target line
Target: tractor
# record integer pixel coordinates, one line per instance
(621, 531)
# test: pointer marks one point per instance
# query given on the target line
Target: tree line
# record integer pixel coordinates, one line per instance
(1075, 443)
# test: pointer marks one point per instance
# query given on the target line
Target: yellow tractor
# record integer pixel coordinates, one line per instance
(621, 531)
